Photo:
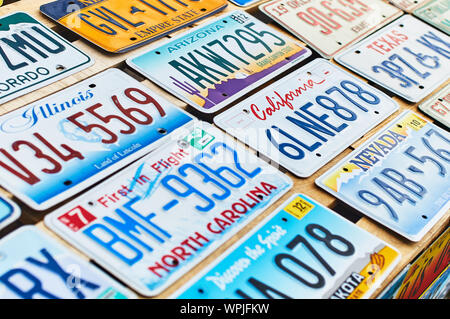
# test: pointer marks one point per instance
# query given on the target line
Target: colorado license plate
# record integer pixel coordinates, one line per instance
(399, 177)
(118, 26)
(305, 119)
(60, 145)
(33, 56)
(408, 5)
(304, 250)
(156, 220)
(437, 13)
(438, 106)
(215, 64)
(9, 212)
(331, 26)
(408, 57)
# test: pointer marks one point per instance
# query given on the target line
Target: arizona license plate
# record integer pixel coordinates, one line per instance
(399, 177)
(438, 106)
(64, 143)
(33, 56)
(307, 118)
(408, 57)
(156, 220)
(331, 26)
(215, 64)
(304, 250)
(118, 26)
(437, 13)
(9, 212)
(408, 5)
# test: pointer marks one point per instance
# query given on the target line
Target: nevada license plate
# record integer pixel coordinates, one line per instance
(33, 56)
(34, 265)
(303, 251)
(9, 212)
(408, 57)
(437, 13)
(438, 106)
(156, 220)
(408, 5)
(215, 64)
(118, 26)
(331, 26)
(64, 143)
(399, 177)
(307, 118)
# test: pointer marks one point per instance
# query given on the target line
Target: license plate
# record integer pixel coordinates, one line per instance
(160, 217)
(34, 265)
(399, 177)
(303, 251)
(307, 118)
(408, 5)
(215, 64)
(438, 106)
(243, 3)
(9, 212)
(118, 26)
(408, 57)
(58, 146)
(331, 26)
(33, 56)
(437, 13)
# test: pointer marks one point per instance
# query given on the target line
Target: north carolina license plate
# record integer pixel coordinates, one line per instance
(399, 177)
(156, 220)
(438, 106)
(9, 212)
(408, 5)
(66, 142)
(118, 26)
(215, 64)
(33, 56)
(330, 26)
(303, 251)
(408, 57)
(307, 118)
(437, 13)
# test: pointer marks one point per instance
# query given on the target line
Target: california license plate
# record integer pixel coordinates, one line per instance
(215, 64)
(160, 217)
(331, 26)
(437, 13)
(60, 145)
(408, 57)
(33, 56)
(399, 177)
(303, 251)
(438, 106)
(9, 212)
(307, 118)
(118, 26)
(408, 5)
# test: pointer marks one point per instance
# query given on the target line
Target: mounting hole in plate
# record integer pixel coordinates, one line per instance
(162, 131)
(92, 85)
(401, 25)
(225, 21)
(133, 38)
(345, 169)
(309, 73)
(224, 94)
(67, 183)
(260, 196)
(202, 9)
(60, 67)
(201, 291)
(157, 52)
(421, 87)
(318, 155)
(424, 216)
(340, 43)
(376, 112)
(399, 125)
(91, 203)
(246, 111)
(284, 219)
(357, 52)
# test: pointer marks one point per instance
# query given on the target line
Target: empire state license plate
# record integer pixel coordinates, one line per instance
(436, 13)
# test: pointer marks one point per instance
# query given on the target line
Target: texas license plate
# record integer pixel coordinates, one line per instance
(64, 143)
(399, 177)
(215, 64)
(33, 56)
(408, 57)
(331, 26)
(408, 5)
(9, 212)
(118, 26)
(438, 106)
(437, 13)
(303, 251)
(307, 118)
(156, 220)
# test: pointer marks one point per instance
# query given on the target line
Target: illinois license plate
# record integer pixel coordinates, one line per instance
(437, 13)
(408, 57)
(304, 250)
(64, 143)
(399, 177)
(156, 220)
(34, 266)
(118, 26)
(305, 119)
(438, 106)
(408, 5)
(9, 212)
(33, 56)
(331, 26)
(215, 64)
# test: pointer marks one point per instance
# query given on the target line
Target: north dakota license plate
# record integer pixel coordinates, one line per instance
(33, 56)
(303, 251)
(438, 106)
(9, 212)
(399, 177)
(60, 145)
(330, 26)
(156, 220)
(118, 26)
(307, 118)
(437, 13)
(214, 64)
(408, 5)
(408, 57)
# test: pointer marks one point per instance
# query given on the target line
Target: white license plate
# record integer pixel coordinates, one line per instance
(408, 57)
(9, 212)
(160, 217)
(307, 118)
(436, 13)
(60, 145)
(399, 177)
(408, 5)
(438, 106)
(331, 26)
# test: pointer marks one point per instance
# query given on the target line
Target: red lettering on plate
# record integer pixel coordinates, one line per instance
(77, 218)
(388, 42)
